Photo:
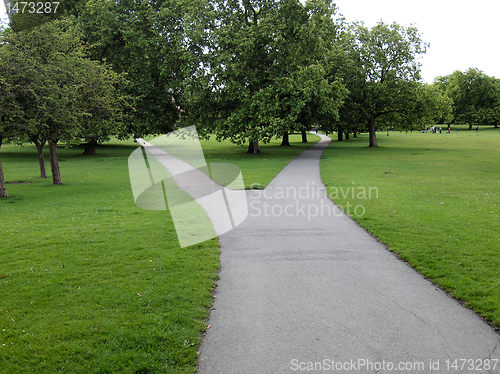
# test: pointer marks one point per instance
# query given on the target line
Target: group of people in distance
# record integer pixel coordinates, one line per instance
(434, 130)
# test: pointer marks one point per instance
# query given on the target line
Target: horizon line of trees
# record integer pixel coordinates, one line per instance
(244, 70)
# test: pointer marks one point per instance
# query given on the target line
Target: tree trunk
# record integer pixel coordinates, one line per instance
(3, 190)
(347, 135)
(340, 136)
(90, 147)
(286, 139)
(54, 164)
(304, 136)
(41, 159)
(470, 126)
(355, 134)
(372, 131)
(253, 148)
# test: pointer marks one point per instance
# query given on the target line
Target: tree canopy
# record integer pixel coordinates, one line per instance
(476, 97)
(264, 70)
(384, 76)
(156, 44)
(56, 91)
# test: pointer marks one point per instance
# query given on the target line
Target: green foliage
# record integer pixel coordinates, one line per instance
(38, 64)
(383, 76)
(266, 70)
(476, 96)
(149, 42)
(56, 92)
(27, 19)
(101, 104)
(436, 205)
(428, 106)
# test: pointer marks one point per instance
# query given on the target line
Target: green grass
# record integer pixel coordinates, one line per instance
(90, 283)
(258, 170)
(438, 205)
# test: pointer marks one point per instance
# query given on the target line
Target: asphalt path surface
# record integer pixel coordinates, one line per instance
(304, 289)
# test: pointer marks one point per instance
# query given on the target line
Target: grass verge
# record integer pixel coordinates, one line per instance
(434, 200)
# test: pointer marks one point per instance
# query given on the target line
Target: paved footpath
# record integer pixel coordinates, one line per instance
(305, 294)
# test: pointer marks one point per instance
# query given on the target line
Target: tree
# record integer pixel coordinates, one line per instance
(101, 104)
(236, 74)
(429, 106)
(37, 63)
(385, 76)
(263, 74)
(54, 86)
(437, 105)
(476, 96)
(309, 35)
(149, 41)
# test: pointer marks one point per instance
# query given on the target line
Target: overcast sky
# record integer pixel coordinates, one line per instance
(462, 34)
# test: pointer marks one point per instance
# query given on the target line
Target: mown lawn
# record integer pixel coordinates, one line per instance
(89, 282)
(258, 170)
(437, 207)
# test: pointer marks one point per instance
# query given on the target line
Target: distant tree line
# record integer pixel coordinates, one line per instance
(475, 97)
(244, 70)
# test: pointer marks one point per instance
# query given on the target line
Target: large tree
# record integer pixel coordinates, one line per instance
(428, 106)
(236, 72)
(476, 96)
(54, 85)
(386, 73)
(305, 94)
(149, 41)
(264, 71)
(39, 65)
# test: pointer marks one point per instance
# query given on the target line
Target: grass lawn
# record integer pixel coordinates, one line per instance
(258, 170)
(89, 282)
(438, 205)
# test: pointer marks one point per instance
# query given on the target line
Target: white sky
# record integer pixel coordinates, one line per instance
(462, 34)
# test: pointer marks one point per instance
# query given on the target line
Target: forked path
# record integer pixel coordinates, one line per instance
(304, 289)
